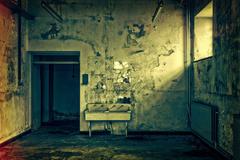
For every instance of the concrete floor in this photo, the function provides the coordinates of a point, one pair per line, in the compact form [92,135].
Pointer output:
[65,143]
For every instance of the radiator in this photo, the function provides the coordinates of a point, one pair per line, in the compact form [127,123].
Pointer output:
[204,122]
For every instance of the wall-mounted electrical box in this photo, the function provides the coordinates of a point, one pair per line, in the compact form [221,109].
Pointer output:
[84,79]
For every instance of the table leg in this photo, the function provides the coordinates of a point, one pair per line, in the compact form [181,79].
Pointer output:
[89,129]
[126,129]
[111,127]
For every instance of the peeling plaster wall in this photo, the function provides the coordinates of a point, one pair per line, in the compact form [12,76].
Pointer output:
[217,80]
[14,113]
[128,58]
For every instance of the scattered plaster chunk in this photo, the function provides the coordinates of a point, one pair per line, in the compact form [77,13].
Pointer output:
[125,64]
[118,65]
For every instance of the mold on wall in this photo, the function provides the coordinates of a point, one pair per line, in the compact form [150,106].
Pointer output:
[14,111]
[128,59]
[217,80]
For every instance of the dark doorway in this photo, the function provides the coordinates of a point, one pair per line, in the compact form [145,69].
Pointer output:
[55,90]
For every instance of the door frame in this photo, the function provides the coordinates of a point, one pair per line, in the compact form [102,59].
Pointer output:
[31,54]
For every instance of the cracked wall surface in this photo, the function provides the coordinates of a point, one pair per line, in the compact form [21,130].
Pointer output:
[217,80]
[127,57]
[14,117]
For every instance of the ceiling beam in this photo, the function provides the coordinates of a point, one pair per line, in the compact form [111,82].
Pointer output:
[14,8]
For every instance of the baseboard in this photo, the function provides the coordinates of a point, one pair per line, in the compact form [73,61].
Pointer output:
[159,133]
[96,132]
[224,153]
[101,132]
[10,140]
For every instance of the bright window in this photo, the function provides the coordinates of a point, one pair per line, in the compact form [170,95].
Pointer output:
[203,33]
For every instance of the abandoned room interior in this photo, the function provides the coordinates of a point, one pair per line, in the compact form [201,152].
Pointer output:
[119,79]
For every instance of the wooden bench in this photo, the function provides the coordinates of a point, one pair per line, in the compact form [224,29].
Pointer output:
[108,113]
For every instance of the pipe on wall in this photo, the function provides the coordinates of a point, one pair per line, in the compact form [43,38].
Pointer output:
[51,11]
[187,54]
[16,9]
[19,30]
